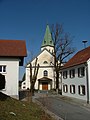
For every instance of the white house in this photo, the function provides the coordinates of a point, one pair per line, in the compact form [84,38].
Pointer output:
[12,53]
[76,76]
[46,74]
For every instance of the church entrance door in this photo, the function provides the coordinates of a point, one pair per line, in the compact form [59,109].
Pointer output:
[45,86]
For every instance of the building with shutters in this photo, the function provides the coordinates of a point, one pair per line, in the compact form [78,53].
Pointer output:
[76,76]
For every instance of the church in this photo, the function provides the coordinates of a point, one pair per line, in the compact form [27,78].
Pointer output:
[46,73]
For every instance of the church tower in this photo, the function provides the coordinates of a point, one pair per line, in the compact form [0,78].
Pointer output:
[47,41]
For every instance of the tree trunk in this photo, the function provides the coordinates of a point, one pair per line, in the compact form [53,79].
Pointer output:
[57,80]
[32,89]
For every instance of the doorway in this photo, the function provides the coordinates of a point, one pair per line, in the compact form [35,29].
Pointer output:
[45,86]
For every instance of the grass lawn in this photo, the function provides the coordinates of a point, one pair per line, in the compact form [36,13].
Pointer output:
[11,109]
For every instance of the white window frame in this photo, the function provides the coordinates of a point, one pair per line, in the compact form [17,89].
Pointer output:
[65,88]
[72,73]
[81,72]
[65,74]
[81,89]
[72,89]
[2,68]
[5,85]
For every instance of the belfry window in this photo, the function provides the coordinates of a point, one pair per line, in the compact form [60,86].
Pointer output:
[44,42]
[50,42]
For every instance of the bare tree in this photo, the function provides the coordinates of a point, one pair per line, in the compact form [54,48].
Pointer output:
[62,48]
[33,76]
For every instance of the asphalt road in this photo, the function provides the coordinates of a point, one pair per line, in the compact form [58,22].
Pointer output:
[65,110]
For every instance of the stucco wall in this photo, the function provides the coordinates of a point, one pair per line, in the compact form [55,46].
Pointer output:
[27,78]
[88,63]
[75,81]
[11,76]
[43,56]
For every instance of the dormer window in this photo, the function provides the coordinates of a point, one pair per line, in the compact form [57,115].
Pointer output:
[45,62]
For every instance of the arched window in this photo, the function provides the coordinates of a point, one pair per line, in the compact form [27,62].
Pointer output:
[45,62]
[45,73]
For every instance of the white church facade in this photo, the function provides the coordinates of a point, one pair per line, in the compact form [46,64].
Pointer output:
[46,74]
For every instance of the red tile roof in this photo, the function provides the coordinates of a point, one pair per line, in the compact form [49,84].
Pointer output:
[79,58]
[12,48]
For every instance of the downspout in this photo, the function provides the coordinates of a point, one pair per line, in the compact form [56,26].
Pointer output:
[87,81]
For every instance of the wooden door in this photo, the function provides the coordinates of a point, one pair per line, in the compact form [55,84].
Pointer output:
[44,86]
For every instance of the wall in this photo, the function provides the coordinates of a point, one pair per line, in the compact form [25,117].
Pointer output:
[88,64]
[43,56]
[75,81]
[11,76]
[28,78]
[23,85]
[50,75]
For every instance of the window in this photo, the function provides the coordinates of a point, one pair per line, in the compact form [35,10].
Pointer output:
[72,73]
[52,51]
[81,90]
[24,83]
[45,73]
[65,88]
[81,72]
[65,74]
[45,62]
[2,68]
[24,87]
[44,42]
[72,89]
[50,42]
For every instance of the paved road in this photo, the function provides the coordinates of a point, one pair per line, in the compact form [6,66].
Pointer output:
[65,110]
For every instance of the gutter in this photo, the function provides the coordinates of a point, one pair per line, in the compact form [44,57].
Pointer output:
[87,81]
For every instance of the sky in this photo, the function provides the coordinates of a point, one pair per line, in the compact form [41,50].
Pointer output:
[27,20]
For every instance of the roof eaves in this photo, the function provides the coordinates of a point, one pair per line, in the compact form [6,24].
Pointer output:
[66,67]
